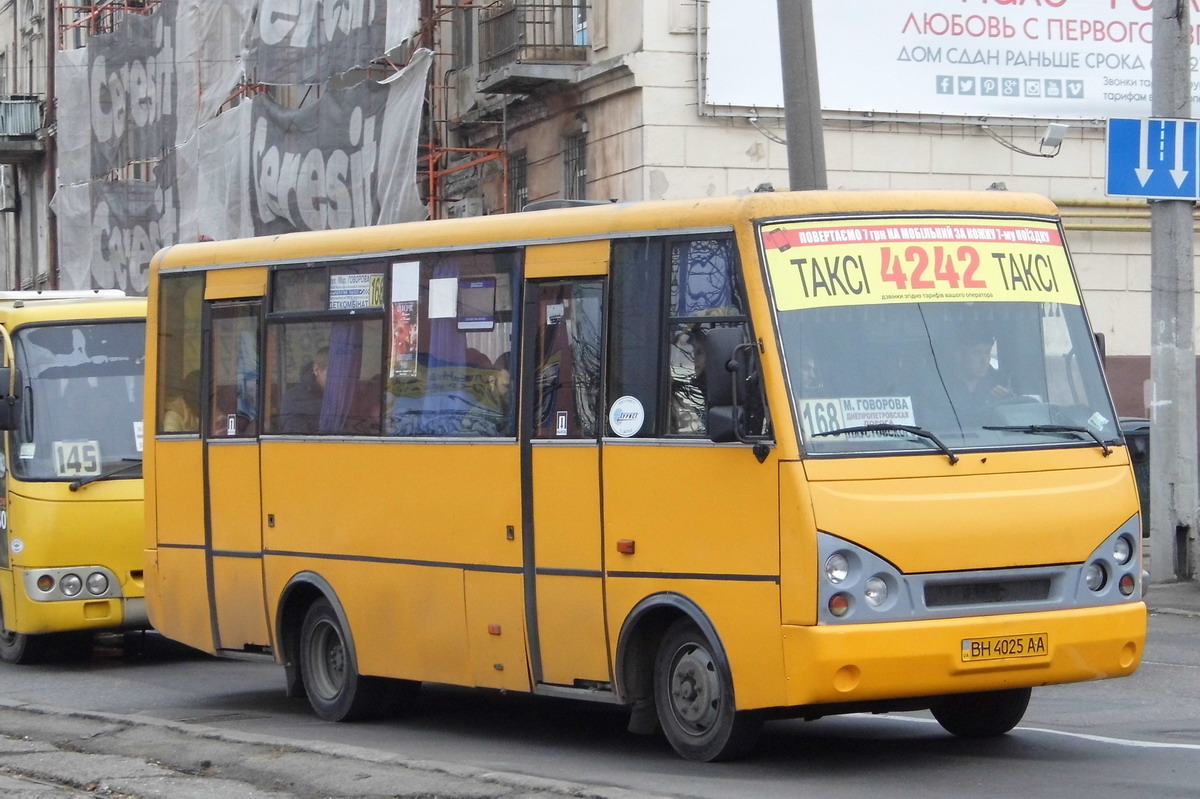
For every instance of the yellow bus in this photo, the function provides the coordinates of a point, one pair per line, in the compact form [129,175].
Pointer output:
[718,461]
[71,520]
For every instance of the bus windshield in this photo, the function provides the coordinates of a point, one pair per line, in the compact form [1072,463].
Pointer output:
[81,401]
[943,334]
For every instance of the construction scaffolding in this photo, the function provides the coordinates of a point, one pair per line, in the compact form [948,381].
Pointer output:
[437,159]
[77,23]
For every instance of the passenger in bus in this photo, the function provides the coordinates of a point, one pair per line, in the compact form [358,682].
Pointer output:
[810,381]
[300,408]
[488,384]
[179,415]
[974,383]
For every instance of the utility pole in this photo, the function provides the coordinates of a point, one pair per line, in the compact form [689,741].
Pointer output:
[50,26]
[1173,487]
[801,96]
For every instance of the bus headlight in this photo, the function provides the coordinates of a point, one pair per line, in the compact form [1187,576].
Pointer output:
[837,568]
[1122,550]
[875,591]
[97,583]
[70,584]
[1094,576]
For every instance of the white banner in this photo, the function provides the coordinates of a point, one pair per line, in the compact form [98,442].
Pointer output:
[1040,59]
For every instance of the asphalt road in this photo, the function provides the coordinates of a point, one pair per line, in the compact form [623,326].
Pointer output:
[172,723]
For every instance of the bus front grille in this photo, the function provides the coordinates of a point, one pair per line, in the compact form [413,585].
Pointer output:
[939,595]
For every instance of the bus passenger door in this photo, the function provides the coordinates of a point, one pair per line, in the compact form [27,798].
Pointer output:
[232,496]
[560,463]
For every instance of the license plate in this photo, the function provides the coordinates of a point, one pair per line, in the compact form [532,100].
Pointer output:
[999,647]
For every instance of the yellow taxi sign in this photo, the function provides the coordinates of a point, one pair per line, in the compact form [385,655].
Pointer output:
[828,263]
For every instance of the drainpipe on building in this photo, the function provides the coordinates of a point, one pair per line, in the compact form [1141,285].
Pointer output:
[801,96]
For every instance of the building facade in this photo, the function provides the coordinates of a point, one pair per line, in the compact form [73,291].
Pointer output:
[613,100]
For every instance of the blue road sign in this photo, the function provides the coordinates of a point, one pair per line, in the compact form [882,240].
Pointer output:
[1153,159]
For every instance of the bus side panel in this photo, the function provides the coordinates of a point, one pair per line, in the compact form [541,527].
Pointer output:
[180,596]
[175,563]
[179,492]
[393,526]
[406,621]
[704,521]
[496,631]
[746,619]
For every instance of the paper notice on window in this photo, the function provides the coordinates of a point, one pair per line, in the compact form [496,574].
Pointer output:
[443,298]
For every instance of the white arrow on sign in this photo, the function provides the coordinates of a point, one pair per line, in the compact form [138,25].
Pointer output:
[1143,171]
[1179,173]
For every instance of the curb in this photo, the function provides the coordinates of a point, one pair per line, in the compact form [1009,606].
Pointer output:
[511,780]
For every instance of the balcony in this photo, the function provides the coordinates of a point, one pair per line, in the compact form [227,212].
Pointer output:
[20,121]
[526,44]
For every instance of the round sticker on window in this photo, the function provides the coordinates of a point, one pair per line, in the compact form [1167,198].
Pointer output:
[625,417]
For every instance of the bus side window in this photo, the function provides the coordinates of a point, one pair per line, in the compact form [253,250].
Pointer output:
[235,364]
[178,385]
[450,346]
[636,325]
[703,293]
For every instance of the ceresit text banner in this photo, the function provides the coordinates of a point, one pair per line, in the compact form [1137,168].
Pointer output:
[827,263]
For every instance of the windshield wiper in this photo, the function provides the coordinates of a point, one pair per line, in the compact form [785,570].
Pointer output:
[1052,429]
[884,427]
[132,463]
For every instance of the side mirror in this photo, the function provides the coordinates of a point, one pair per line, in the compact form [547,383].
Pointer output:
[728,376]
[726,367]
[10,409]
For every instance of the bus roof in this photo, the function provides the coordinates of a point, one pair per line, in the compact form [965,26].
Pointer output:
[23,307]
[594,221]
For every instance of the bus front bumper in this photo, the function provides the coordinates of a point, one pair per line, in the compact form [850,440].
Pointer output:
[851,663]
[54,614]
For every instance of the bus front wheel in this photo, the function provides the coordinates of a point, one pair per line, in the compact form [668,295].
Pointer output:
[336,691]
[18,648]
[693,695]
[981,715]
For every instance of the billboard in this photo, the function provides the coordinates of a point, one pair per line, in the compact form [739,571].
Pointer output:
[1038,59]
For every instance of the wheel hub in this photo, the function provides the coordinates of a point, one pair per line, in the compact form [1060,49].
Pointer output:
[695,690]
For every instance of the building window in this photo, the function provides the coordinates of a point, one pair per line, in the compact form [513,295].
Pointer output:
[580,21]
[518,181]
[464,22]
[575,167]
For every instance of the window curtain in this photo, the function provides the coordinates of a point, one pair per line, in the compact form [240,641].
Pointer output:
[704,277]
[341,379]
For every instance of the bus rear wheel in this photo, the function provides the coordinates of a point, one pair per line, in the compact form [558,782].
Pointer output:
[336,691]
[693,694]
[986,714]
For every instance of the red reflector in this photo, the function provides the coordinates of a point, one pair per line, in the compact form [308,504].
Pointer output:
[839,604]
[1126,584]
[625,546]
[493,629]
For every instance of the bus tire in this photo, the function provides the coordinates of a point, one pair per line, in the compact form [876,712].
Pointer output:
[986,714]
[693,694]
[336,691]
[19,648]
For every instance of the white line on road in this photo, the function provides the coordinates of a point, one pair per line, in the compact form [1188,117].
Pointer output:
[1080,735]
